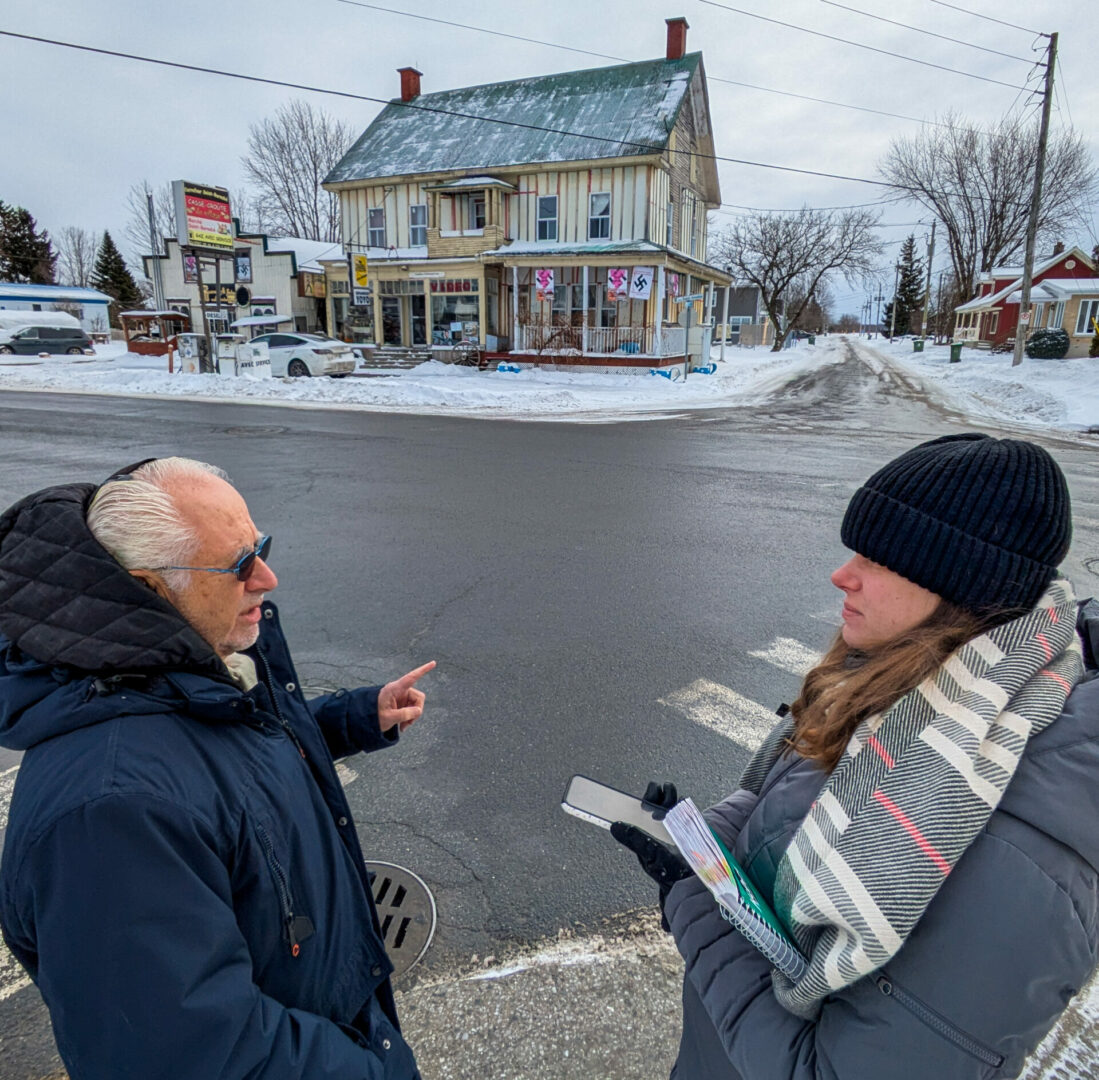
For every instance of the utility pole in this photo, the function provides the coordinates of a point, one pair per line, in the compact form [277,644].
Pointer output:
[893,318]
[1035,207]
[154,253]
[939,309]
[927,287]
[877,320]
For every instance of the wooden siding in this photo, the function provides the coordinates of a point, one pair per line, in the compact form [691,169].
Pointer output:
[395,199]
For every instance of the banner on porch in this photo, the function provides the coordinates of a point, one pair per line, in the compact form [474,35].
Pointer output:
[618,283]
[543,282]
[673,285]
[641,284]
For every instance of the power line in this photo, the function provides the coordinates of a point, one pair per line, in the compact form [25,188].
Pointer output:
[987,18]
[859,44]
[414,107]
[179,65]
[929,33]
[625,60]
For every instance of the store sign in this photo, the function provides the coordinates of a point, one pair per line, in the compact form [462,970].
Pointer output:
[359,274]
[222,295]
[456,285]
[242,266]
[312,284]
[543,282]
[641,283]
[204,218]
[618,282]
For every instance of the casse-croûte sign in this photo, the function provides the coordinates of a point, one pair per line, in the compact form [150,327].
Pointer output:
[203,216]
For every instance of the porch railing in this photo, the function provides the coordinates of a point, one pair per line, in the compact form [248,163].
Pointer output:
[602,340]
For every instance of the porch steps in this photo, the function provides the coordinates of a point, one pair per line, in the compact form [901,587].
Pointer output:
[395,357]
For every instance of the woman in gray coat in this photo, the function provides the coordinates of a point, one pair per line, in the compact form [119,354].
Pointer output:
[925,820]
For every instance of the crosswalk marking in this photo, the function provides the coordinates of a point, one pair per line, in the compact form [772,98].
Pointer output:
[725,711]
[788,654]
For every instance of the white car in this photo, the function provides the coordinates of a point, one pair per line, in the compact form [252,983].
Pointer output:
[308,354]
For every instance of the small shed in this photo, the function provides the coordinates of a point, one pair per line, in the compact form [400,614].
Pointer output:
[147,332]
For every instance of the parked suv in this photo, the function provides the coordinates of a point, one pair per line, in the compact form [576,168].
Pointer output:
[31,340]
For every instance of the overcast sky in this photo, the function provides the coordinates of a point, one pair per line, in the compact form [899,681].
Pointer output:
[77,129]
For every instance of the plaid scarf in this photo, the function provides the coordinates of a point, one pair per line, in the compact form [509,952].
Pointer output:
[915,786]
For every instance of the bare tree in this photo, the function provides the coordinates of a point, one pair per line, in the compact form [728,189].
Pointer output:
[791,256]
[289,155]
[847,324]
[977,182]
[135,235]
[76,252]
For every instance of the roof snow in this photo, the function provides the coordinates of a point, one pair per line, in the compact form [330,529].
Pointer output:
[620,111]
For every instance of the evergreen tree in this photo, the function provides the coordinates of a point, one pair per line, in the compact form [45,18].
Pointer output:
[26,255]
[112,276]
[910,284]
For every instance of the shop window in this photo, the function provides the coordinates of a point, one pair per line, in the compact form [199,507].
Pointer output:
[375,236]
[417,225]
[547,217]
[599,216]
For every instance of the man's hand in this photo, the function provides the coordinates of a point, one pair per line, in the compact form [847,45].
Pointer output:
[399,702]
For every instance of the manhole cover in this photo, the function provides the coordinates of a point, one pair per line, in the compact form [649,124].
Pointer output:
[406,910]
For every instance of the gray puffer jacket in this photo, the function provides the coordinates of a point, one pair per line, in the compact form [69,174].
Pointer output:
[1009,939]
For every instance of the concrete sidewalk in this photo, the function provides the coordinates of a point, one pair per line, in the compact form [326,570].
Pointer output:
[607,1007]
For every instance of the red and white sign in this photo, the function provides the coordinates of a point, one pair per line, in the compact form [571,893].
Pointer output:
[543,282]
[673,285]
[204,218]
[618,282]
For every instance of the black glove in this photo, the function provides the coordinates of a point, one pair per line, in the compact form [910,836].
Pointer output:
[663,865]
[659,798]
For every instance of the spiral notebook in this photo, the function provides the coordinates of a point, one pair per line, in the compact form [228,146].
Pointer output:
[740,901]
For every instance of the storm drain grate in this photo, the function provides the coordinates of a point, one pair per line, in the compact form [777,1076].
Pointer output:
[406,911]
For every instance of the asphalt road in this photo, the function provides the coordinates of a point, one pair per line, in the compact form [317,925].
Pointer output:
[565,577]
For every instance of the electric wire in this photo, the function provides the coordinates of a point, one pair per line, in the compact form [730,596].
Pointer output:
[859,44]
[929,33]
[419,107]
[987,18]
[625,60]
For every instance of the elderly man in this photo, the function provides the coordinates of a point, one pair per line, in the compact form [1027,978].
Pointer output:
[181,875]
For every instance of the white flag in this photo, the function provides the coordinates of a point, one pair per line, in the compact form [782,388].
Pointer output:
[641,283]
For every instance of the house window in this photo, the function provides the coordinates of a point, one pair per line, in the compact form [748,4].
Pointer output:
[1037,314]
[417,225]
[476,211]
[1089,309]
[547,217]
[993,323]
[375,235]
[669,232]
[599,216]
[1056,315]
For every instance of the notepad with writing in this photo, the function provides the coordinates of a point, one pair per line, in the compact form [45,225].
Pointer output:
[740,901]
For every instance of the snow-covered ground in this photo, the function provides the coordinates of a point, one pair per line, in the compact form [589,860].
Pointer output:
[1043,393]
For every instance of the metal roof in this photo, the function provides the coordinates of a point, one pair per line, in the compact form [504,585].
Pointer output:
[56,293]
[625,110]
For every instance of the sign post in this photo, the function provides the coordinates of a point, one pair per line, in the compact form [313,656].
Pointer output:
[685,318]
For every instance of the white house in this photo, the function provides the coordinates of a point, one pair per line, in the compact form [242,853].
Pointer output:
[88,305]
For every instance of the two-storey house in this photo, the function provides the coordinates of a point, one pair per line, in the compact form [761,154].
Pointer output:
[555,219]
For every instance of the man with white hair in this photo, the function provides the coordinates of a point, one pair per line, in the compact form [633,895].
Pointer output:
[181,876]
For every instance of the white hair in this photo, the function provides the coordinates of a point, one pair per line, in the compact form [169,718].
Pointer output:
[136,518]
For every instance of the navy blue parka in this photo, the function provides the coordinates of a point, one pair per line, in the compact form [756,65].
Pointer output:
[181,876]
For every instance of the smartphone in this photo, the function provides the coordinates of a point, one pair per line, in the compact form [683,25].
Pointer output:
[602,805]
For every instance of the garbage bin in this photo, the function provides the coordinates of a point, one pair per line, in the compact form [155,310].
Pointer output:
[955,352]
[812,339]
[917,345]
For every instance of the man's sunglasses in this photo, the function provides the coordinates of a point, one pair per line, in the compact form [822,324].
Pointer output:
[243,567]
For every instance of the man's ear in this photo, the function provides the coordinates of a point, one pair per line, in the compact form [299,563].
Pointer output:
[152,581]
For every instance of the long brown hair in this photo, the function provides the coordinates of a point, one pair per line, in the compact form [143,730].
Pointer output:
[849,685]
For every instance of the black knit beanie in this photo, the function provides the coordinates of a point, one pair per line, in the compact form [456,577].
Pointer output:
[982,522]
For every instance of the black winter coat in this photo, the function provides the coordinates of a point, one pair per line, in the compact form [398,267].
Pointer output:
[181,876]
[1011,936]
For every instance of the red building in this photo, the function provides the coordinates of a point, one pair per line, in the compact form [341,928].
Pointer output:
[990,318]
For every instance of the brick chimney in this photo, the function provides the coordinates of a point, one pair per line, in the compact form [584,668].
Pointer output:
[677,38]
[1058,247]
[410,83]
